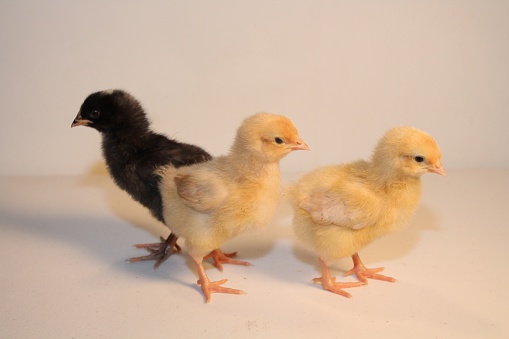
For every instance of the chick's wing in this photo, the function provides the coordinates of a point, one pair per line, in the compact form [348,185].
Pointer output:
[202,191]
[352,204]
[326,209]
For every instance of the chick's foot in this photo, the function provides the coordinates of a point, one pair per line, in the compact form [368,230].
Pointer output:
[208,287]
[329,283]
[224,258]
[363,273]
[159,251]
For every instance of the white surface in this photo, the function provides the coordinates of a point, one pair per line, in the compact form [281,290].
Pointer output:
[344,71]
[63,242]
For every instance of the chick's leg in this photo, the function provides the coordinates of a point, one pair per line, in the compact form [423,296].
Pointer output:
[159,251]
[363,273]
[208,287]
[224,258]
[329,283]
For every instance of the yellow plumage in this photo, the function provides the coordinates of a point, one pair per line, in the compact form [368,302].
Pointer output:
[339,209]
[210,203]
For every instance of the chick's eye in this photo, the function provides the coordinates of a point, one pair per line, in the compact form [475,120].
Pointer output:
[419,158]
[278,140]
[95,114]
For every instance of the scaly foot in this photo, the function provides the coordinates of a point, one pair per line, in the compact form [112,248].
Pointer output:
[208,287]
[160,251]
[363,273]
[329,283]
[224,258]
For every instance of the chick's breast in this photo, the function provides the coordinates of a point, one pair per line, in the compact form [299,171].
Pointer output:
[250,205]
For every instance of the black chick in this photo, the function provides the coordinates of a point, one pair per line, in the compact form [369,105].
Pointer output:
[134,153]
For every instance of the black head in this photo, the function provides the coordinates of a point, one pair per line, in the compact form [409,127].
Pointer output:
[109,111]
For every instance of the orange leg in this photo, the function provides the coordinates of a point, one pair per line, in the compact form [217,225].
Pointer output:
[208,287]
[159,251]
[329,283]
[363,273]
[224,258]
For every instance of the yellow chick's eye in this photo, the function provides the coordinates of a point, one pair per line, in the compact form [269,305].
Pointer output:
[419,158]
[278,140]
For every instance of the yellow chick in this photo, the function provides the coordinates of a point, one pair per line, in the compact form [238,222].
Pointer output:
[339,209]
[210,203]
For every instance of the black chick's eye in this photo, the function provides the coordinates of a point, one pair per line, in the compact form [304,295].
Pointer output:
[278,140]
[419,158]
[95,114]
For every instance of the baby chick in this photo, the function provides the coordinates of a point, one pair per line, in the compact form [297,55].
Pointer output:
[339,209]
[209,203]
[133,153]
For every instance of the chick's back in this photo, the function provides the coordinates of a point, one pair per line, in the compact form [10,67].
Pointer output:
[133,165]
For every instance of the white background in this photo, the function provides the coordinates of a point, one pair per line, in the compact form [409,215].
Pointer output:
[64,273]
[343,71]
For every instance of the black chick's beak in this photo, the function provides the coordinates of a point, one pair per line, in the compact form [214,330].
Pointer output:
[79,121]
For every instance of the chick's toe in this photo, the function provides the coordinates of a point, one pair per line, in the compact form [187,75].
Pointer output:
[208,287]
[224,258]
[329,283]
[363,273]
[159,251]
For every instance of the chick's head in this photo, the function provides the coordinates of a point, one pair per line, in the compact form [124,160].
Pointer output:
[408,151]
[268,137]
[112,110]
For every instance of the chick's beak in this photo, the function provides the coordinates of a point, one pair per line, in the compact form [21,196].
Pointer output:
[79,121]
[436,168]
[299,144]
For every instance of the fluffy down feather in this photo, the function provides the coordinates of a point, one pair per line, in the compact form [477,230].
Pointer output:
[134,153]
[339,209]
[210,203]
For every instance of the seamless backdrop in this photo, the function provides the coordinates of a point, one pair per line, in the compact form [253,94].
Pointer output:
[343,71]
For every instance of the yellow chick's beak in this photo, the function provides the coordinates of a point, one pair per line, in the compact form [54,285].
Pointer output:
[436,168]
[79,121]
[299,144]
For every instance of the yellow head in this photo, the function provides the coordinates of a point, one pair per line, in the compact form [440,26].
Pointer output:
[408,151]
[268,137]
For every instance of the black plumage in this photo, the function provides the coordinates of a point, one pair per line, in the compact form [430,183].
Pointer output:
[133,154]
